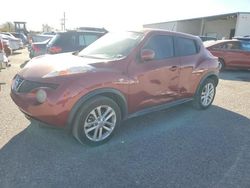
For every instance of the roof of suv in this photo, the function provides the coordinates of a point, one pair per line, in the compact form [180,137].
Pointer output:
[86,30]
[149,30]
[80,31]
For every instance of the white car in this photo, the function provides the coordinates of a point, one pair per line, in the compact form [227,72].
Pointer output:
[3,58]
[15,43]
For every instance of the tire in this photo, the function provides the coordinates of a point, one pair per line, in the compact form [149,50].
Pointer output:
[205,94]
[222,64]
[96,121]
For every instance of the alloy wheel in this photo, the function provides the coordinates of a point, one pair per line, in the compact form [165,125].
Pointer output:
[207,94]
[100,123]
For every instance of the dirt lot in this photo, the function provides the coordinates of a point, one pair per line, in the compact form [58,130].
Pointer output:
[178,147]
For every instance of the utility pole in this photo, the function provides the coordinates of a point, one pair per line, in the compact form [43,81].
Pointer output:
[63,22]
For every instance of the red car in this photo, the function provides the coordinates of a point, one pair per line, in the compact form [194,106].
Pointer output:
[117,77]
[231,53]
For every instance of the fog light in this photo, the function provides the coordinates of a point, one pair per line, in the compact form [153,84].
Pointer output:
[41,96]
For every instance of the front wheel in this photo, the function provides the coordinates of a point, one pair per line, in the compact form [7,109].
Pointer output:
[205,95]
[96,121]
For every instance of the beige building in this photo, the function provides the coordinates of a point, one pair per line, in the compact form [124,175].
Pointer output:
[219,26]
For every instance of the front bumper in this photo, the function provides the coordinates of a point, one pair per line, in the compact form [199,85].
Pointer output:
[46,112]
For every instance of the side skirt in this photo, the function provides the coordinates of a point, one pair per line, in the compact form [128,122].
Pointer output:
[159,107]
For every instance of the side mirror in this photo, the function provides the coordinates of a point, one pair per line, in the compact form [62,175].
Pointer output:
[147,54]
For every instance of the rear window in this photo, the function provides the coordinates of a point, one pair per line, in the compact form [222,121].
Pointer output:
[245,46]
[185,46]
[232,45]
[64,39]
[86,39]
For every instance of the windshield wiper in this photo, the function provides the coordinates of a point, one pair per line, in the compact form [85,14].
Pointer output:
[87,56]
[118,56]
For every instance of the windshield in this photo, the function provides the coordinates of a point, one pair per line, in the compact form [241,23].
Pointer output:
[112,45]
[53,39]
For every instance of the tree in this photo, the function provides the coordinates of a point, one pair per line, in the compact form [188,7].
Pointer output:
[47,28]
[7,27]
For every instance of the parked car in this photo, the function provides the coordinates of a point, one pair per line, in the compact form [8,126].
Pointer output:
[49,33]
[7,33]
[207,38]
[231,53]
[38,38]
[1,53]
[38,48]
[7,49]
[14,43]
[72,41]
[119,76]
[21,36]
[244,38]
[3,58]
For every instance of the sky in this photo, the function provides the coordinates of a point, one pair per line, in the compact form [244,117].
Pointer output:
[113,14]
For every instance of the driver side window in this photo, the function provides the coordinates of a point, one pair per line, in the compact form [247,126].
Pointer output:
[162,45]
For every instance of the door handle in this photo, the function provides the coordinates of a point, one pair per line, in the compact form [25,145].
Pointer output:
[173,68]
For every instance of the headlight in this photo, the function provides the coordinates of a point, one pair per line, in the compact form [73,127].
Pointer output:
[41,96]
[71,70]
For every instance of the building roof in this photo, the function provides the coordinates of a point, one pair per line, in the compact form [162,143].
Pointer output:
[205,17]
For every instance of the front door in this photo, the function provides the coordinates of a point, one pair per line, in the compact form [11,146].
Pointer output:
[155,82]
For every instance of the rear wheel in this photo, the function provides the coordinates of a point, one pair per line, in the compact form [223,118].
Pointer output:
[97,121]
[205,95]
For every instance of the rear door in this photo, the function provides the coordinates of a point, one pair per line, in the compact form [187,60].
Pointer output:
[188,51]
[245,55]
[233,53]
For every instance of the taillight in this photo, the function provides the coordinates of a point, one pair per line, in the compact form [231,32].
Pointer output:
[54,50]
[35,48]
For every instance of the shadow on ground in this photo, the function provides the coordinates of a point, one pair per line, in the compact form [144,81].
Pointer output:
[23,64]
[16,53]
[178,146]
[236,75]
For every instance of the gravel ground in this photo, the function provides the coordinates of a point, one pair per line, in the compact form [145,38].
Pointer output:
[178,147]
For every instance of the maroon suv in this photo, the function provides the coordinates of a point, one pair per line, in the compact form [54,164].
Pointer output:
[119,76]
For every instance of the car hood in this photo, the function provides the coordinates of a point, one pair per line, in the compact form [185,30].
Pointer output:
[41,66]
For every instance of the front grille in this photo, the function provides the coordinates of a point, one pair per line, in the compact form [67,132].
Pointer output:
[18,81]
[26,86]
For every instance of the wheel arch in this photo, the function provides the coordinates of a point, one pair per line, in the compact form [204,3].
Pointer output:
[213,77]
[111,93]
[210,75]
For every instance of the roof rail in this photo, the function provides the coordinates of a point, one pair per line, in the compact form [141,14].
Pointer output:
[92,29]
